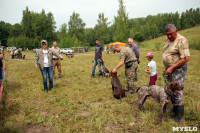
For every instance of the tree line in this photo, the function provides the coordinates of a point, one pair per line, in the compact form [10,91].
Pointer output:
[37,26]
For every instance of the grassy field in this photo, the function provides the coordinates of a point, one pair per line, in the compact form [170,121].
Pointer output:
[81,104]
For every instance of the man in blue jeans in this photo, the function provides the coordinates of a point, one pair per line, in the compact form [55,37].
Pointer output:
[44,57]
[98,55]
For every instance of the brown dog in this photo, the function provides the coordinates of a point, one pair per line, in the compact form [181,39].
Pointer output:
[118,92]
[159,94]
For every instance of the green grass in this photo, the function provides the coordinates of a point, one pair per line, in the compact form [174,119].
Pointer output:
[81,104]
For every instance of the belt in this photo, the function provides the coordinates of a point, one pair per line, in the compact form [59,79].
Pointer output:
[55,58]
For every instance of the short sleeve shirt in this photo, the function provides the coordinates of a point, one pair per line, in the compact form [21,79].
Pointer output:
[57,49]
[174,51]
[152,65]
[126,55]
[98,51]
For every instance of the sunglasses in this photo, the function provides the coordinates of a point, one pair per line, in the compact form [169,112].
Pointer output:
[44,44]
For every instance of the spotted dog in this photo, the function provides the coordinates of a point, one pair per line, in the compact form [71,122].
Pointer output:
[160,94]
[104,70]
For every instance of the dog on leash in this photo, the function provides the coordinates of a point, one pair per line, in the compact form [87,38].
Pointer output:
[23,57]
[104,70]
[118,92]
[159,94]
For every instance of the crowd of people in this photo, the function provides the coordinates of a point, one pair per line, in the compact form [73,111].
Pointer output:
[175,57]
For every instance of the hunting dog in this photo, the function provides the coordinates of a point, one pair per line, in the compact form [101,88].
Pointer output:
[159,94]
[23,57]
[104,70]
[118,92]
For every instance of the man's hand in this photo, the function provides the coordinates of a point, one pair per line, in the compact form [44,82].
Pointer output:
[169,70]
[93,60]
[114,70]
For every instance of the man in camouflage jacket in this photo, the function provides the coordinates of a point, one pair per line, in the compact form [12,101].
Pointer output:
[128,58]
[175,57]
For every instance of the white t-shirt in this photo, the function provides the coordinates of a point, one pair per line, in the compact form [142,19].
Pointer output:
[152,64]
[46,63]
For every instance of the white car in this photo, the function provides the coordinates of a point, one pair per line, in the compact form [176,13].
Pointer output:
[9,49]
[66,50]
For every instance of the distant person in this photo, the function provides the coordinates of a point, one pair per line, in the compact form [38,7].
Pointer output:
[135,50]
[2,56]
[56,60]
[27,50]
[98,55]
[13,53]
[45,58]
[175,57]
[16,53]
[19,53]
[128,58]
[151,69]
[105,48]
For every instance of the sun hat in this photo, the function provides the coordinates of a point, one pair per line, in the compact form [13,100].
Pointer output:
[149,54]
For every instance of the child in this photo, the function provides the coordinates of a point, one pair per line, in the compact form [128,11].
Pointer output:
[151,69]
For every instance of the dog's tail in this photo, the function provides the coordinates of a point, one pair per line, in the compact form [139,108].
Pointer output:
[137,89]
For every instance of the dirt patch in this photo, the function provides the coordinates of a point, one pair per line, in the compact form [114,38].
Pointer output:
[44,113]
[95,104]
[37,129]
[112,128]
[83,113]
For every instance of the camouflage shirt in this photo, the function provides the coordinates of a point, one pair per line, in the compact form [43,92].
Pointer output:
[126,55]
[57,49]
[174,51]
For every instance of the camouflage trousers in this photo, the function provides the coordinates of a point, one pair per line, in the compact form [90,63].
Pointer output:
[178,75]
[130,76]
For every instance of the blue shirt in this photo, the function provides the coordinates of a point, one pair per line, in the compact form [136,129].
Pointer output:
[135,50]
[152,65]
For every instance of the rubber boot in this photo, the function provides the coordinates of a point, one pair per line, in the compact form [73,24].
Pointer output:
[179,113]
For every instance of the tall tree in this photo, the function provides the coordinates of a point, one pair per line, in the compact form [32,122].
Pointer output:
[16,30]
[4,32]
[27,23]
[121,30]
[76,27]
[101,29]
[89,36]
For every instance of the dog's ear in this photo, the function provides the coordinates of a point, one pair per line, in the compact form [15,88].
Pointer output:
[169,87]
[178,86]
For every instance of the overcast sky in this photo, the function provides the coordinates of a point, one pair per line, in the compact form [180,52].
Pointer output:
[11,10]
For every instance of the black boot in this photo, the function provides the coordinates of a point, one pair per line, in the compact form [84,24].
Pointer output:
[179,113]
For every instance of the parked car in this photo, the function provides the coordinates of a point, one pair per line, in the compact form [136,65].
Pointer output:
[9,49]
[66,50]
[34,50]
